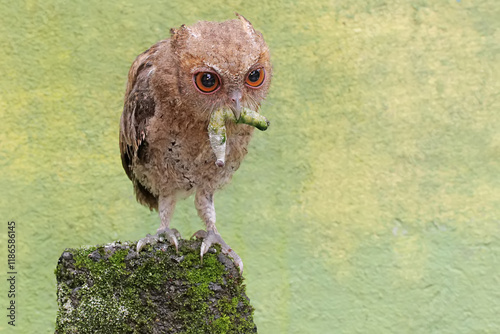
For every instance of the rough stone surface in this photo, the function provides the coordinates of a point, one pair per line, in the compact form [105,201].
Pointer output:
[114,289]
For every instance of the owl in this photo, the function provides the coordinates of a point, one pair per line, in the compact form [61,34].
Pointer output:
[175,90]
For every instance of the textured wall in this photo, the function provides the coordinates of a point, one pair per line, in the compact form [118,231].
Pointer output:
[371,205]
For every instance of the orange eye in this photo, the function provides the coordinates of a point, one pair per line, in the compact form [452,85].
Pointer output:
[206,82]
[255,78]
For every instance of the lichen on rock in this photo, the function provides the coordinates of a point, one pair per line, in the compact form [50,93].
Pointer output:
[114,289]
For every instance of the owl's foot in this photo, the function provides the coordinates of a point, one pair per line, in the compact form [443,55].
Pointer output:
[161,234]
[212,237]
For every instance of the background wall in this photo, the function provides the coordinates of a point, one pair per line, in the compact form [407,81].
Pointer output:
[371,205]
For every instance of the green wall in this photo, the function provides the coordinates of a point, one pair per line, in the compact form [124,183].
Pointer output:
[371,205]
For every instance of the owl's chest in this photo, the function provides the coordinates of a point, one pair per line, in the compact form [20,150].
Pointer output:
[191,145]
[184,147]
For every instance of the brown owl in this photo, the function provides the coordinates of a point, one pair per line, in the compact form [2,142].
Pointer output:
[174,90]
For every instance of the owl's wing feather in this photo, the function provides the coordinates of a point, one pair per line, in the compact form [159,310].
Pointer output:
[138,108]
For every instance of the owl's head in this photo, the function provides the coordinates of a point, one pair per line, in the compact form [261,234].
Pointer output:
[222,65]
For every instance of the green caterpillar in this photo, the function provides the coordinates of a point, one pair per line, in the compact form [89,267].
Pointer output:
[217,129]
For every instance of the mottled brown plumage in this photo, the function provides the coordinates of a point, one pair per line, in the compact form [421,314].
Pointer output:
[164,143]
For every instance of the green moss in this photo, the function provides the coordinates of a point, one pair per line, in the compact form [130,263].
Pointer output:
[114,289]
[221,325]
[117,260]
[81,257]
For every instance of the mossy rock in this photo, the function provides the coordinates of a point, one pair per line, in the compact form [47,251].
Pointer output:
[114,289]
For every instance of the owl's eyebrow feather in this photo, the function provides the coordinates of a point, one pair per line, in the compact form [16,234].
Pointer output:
[217,68]
[221,71]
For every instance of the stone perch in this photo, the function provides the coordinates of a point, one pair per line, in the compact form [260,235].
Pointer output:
[114,289]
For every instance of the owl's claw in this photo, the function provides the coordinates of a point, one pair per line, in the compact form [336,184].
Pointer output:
[170,234]
[212,237]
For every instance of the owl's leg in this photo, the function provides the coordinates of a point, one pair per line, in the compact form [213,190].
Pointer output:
[204,202]
[166,207]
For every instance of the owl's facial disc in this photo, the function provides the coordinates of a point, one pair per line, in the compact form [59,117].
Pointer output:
[226,88]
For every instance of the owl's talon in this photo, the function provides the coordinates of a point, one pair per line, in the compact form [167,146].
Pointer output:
[170,234]
[200,234]
[211,237]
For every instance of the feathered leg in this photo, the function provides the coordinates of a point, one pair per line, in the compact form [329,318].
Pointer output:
[166,206]
[204,202]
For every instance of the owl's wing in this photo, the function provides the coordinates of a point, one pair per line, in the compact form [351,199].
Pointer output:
[138,108]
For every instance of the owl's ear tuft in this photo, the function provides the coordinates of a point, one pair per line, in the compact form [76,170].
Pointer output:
[246,24]
[179,36]
[183,32]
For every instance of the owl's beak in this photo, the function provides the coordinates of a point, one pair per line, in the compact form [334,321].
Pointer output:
[236,103]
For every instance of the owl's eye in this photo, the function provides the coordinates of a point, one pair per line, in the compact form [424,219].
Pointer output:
[206,82]
[255,78]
